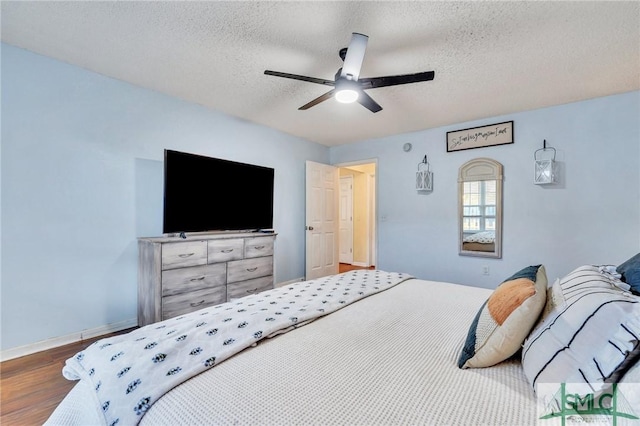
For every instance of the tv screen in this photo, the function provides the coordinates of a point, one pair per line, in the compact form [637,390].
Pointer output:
[210,194]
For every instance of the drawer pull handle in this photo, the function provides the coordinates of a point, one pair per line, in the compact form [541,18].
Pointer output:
[258,247]
[227,251]
[184,255]
[252,291]
[198,279]
[252,269]
[193,305]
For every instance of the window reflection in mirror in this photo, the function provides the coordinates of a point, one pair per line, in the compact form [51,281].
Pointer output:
[480,208]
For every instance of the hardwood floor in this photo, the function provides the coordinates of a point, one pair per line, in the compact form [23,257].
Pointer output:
[344,267]
[32,386]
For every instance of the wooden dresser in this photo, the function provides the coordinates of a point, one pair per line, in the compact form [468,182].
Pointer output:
[177,276]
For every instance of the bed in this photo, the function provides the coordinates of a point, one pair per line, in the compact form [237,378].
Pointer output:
[392,356]
[480,241]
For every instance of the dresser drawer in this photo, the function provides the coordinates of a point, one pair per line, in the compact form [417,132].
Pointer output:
[245,288]
[188,302]
[258,247]
[180,255]
[225,250]
[183,280]
[242,270]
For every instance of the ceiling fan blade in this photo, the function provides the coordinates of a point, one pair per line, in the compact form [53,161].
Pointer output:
[393,80]
[355,56]
[367,101]
[300,77]
[317,100]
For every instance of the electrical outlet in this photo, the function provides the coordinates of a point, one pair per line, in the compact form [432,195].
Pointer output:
[485,270]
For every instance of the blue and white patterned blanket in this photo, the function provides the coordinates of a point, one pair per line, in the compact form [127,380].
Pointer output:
[130,372]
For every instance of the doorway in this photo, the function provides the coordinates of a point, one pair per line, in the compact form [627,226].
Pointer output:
[357,242]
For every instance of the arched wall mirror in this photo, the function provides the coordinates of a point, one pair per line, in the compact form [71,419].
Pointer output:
[480,208]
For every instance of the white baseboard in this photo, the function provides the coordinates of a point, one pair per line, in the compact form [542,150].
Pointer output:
[65,340]
[295,280]
[55,342]
[362,264]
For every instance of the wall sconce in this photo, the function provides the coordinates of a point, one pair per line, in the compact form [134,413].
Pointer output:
[545,170]
[424,177]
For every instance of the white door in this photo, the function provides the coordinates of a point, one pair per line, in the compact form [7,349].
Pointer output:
[346,220]
[321,220]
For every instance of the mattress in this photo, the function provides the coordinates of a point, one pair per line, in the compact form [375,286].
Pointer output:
[473,246]
[390,358]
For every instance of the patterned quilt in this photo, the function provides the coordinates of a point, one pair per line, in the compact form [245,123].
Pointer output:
[132,371]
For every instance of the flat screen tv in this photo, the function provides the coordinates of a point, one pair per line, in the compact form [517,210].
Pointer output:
[210,194]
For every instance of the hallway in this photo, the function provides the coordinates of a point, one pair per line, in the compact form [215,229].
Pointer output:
[344,267]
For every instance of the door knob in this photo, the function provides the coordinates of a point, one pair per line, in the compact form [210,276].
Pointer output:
[309,228]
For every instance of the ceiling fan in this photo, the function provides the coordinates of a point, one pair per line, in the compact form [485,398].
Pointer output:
[348,87]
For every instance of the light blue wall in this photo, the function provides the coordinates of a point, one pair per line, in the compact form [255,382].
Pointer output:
[82,179]
[591,216]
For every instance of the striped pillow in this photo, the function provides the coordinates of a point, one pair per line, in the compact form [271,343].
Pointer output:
[589,332]
[505,319]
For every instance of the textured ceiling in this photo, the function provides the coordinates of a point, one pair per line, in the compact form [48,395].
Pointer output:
[489,58]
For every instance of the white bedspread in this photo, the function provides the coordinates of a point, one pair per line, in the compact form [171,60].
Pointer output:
[131,372]
[387,359]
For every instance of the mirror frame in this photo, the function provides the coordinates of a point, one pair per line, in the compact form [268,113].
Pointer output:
[475,170]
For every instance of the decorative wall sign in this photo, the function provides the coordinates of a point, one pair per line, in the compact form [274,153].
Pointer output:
[480,137]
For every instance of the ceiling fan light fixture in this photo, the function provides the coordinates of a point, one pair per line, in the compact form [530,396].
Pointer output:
[347,96]
[347,91]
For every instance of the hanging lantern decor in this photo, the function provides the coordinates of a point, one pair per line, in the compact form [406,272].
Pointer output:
[545,169]
[424,176]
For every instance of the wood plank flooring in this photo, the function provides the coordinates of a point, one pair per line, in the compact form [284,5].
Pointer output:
[344,267]
[32,386]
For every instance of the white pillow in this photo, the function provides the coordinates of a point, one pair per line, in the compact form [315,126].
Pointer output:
[589,332]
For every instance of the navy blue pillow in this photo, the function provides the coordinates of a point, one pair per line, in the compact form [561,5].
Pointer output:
[630,271]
